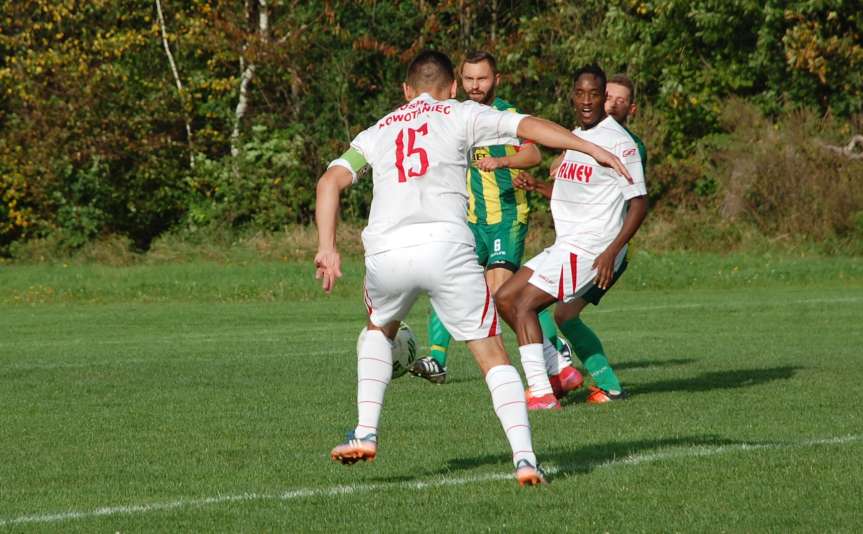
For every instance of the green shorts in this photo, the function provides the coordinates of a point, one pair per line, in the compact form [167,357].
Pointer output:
[500,245]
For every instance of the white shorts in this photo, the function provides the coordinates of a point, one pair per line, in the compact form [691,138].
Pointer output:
[448,272]
[566,273]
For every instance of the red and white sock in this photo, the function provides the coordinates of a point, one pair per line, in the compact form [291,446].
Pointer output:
[374,370]
[507,396]
[533,363]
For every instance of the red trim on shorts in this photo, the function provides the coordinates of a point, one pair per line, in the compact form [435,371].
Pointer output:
[560,285]
[573,265]
[487,302]
[367,300]
[493,330]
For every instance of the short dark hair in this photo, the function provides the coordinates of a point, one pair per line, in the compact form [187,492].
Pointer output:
[623,79]
[478,56]
[592,69]
[430,69]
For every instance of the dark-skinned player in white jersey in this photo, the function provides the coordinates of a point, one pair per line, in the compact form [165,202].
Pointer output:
[595,214]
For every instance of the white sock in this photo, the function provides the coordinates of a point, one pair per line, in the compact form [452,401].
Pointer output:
[374,370]
[554,362]
[533,363]
[507,396]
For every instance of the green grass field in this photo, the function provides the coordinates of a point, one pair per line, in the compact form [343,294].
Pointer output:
[206,397]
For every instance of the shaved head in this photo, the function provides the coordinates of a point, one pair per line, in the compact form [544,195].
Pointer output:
[430,70]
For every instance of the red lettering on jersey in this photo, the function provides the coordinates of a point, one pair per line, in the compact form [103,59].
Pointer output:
[416,109]
[583,173]
[575,172]
[629,152]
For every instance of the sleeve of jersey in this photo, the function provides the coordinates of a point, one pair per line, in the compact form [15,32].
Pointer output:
[631,158]
[492,127]
[352,160]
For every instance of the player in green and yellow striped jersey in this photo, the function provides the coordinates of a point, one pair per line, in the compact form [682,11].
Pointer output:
[497,213]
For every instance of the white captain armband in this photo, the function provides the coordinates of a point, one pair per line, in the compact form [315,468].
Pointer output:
[353,161]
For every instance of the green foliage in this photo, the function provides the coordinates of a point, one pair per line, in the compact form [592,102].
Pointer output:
[79,215]
[263,186]
[778,174]
[87,88]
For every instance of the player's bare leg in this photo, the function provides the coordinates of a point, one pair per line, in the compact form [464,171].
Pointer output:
[505,386]
[374,370]
[566,311]
[495,277]
[518,303]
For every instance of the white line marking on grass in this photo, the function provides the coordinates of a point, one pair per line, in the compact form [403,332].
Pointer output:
[703,450]
[418,485]
[727,304]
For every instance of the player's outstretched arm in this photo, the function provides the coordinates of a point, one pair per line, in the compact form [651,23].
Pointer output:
[327,260]
[556,136]
[604,263]
[528,156]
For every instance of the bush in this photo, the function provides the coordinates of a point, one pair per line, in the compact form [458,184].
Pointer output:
[778,175]
[265,186]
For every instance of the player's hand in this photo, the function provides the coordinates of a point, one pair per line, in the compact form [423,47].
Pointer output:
[524,180]
[488,164]
[607,159]
[328,267]
[604,265]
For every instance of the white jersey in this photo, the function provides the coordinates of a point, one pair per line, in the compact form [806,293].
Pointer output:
[419,158]
[588,202]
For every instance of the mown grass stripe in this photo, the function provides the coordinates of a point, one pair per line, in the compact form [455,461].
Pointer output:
[419,485]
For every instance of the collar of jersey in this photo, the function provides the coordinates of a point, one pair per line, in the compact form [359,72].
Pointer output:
[597,125]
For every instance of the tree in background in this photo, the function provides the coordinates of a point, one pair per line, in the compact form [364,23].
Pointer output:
[114,120]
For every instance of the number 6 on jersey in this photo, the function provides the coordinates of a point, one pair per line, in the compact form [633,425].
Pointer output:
[401,154]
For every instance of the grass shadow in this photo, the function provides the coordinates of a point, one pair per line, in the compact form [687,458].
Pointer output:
[713,380]
[645,364]
[582,460]
[709,381]
[585,459]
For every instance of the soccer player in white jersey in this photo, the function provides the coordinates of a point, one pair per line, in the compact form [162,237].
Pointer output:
[417,240]
[595,213]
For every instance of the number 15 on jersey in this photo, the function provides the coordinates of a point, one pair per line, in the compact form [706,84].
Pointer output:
[402,152]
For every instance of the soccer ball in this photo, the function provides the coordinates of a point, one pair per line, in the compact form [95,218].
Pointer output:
[404,349]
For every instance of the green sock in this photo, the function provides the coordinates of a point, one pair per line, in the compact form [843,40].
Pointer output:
[549,328]
[439,339]
[588,348]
